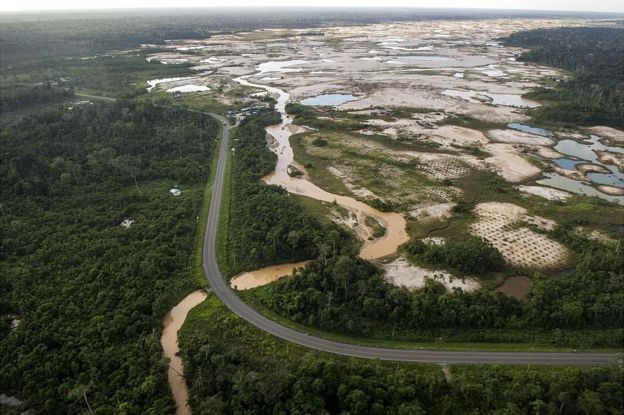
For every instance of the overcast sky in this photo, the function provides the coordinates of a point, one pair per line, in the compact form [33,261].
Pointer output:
[567,5]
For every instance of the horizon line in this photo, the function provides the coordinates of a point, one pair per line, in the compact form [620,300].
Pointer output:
[188,8]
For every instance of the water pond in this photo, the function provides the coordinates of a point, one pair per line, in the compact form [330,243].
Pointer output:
[280,66]
[567,164]
[564,183]
[508,100]
[528,129]
[587,152]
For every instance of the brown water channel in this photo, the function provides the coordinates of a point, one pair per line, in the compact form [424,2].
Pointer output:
[169,341]
[394,223]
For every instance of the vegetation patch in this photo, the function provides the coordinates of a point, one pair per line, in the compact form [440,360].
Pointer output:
[88,290]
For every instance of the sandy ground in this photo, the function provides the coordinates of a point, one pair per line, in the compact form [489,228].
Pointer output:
[403,274]
[612,158]
[440,211]
[545,192]
[507,162]
[589,167]
[610,133]
[610,190]
[548,153]
[501,224]
[448,135]
[519,137]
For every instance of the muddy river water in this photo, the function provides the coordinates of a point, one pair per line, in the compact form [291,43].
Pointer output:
[393,222]
[169,341]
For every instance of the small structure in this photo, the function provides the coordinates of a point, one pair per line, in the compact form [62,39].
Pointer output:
[175,191]
[126,223]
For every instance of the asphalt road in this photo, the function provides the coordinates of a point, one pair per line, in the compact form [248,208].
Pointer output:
[236,305]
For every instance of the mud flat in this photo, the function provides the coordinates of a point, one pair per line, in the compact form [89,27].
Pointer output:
[169,342]
[403,274]
[263,276]
[517,287]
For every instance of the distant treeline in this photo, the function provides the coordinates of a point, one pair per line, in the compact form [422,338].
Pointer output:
[595,56]
[19,97]
[27,35]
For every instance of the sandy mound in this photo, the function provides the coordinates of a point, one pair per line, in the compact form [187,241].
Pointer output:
[403,274]
[449,135]
[519,137]
[549,153]
[500,223]
[610,190]
[509,164]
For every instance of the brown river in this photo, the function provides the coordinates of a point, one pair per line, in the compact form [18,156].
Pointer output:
[169,341]
[378,248]
[394,223]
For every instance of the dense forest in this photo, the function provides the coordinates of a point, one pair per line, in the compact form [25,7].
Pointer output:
[18,96]
[265,226]
[233,368]
[90,294]
[595,57]
[345,294]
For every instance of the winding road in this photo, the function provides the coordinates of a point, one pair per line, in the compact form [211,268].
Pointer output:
[236,305]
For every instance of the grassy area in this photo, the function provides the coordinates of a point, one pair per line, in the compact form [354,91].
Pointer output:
[204,102]
[321,211]
[372,166]
[317,167]
[402,339]
[94,97]
[378,229]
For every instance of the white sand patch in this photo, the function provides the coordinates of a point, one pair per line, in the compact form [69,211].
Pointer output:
[435,240]
[440,211]
[519,246]
[509,164]
[403,274]
[519,137]
[545,192]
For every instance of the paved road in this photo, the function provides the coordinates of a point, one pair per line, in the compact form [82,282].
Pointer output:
[235,304]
